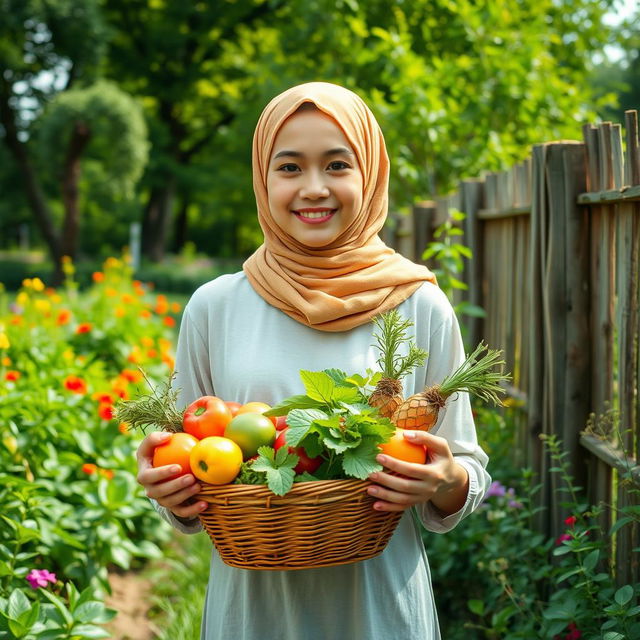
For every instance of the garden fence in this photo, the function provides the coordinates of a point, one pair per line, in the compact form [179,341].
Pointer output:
[556,243]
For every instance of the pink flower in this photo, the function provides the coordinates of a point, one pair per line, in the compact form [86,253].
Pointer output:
[562,538]
[40,578]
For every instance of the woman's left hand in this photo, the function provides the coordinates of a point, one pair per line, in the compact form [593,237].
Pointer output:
[441,480]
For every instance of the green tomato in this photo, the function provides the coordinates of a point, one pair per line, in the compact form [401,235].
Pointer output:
[251,431]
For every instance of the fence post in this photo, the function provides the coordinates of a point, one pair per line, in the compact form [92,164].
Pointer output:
[424,214]
[472,200]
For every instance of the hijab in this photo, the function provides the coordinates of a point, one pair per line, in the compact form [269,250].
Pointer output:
[344,284]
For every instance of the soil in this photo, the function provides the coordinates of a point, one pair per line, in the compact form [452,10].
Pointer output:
[130,597]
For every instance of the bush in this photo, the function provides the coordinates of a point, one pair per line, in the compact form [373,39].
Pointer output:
[69,502]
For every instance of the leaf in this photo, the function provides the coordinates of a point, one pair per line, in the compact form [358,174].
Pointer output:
[17,605]
[591,560]
[361,461]
[476,606]
[293,402]
[90,631]
[299,422]
[280,480]
[319,385]
[339,377]
[59,605]
[624,594]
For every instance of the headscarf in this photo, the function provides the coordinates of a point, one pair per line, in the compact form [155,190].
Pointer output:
[346,283]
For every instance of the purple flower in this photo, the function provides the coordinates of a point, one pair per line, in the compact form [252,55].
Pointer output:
[40,578]
[495,490]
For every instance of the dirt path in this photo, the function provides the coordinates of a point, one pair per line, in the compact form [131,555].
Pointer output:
[130,598]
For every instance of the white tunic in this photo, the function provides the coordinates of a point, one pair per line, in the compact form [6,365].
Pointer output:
[234,345]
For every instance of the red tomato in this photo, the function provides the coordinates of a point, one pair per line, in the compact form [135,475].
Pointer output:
[256,407]
[207,416]
[233,406]
[281,423]
[305,463]
[175,450]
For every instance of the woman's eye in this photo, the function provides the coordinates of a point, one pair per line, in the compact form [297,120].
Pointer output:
[288,168]
[338,165]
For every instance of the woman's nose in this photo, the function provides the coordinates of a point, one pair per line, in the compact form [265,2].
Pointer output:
[314,186]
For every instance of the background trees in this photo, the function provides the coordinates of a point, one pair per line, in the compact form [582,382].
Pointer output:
[457,86]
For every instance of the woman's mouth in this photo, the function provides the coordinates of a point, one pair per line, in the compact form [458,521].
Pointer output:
[314,215]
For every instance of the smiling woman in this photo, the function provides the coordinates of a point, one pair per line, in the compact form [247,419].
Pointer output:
[315,191]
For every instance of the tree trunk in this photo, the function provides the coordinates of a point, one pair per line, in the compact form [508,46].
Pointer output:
[70,179]
[32,187]
[181,227]
[157,220]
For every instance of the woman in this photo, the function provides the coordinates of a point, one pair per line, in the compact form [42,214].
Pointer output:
[305,300]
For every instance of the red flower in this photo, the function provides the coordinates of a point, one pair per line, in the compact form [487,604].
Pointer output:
[75,385]
[570,521]
[84,327]
[168,321]
[12,376]
[562,538]
[89,468]
[105,411]
[63,317]
[98,276]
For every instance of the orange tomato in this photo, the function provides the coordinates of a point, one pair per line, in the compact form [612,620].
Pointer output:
[400,448]
[175,450]
[233,407]
[256,407]
[215,460]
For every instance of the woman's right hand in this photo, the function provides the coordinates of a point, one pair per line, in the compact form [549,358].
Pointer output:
[160,483]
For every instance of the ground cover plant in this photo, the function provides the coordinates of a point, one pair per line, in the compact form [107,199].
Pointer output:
[69,503]
[508,581]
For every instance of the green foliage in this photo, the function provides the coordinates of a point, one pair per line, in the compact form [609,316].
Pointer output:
[69,500]
[115,123]
[517,583]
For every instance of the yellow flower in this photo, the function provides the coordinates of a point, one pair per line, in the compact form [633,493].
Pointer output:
[26,283]
[68,354]
[67,266]
[22,298]
[43,306]
[4,341]
[146,341]
[120,312]
[56,298]
[111,263]
[37,284]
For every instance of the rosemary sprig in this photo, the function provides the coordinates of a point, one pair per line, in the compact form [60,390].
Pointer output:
[393,333]
[157,409]
[475,376]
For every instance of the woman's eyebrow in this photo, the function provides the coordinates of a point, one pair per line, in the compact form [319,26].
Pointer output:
[299,154]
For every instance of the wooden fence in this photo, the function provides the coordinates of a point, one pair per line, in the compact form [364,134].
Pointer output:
[556,243]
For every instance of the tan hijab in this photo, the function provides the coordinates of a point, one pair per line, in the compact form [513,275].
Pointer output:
[348,282]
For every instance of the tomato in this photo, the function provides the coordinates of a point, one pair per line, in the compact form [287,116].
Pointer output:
[250,431]
[281,423]
[175,450]
[215,460]
[256,407]
[207,416]
[233,406]
[305,463]
[400,448]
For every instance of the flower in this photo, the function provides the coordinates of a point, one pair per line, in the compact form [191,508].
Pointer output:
[97,276]
[105,411]
[106,473]
[570,521]
[4,341]
[89,468]
[84,327]
[40,578]
[63,317]
[564,537]
[75,385]
[168,321]
[12,375]
[123,427]
[495,490]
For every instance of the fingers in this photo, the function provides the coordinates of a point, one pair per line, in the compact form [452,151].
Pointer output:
[149,443]
[434,444]
[176,494]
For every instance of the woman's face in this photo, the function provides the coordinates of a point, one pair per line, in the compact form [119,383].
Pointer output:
[314,182]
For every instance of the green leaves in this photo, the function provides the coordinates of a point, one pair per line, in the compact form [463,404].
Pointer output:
[278,467]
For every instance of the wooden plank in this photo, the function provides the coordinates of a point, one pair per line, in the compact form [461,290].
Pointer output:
[605,159]
[632,160]
[424,214]
[617,158]
[611,455]
[507,212]
[626,194]
[590,135]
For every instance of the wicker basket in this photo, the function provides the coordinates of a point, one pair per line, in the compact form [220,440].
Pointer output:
[317,524]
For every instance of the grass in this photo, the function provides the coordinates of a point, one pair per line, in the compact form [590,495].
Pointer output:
[179,586]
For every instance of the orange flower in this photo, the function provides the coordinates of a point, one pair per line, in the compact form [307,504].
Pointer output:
[123,427]
[105,411]
[16,320]
[89,468]
[168,360]
[12,376]
[132,375]
[98,276]
[127,298]
[84,327]
[145,313]
[162,304]
[152,353]
[103,397]
[175,307]
[120,312]
[168,321]
[6,361]
[111,292]
[63,317]
[146,341]
[75,385]
[106,473]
